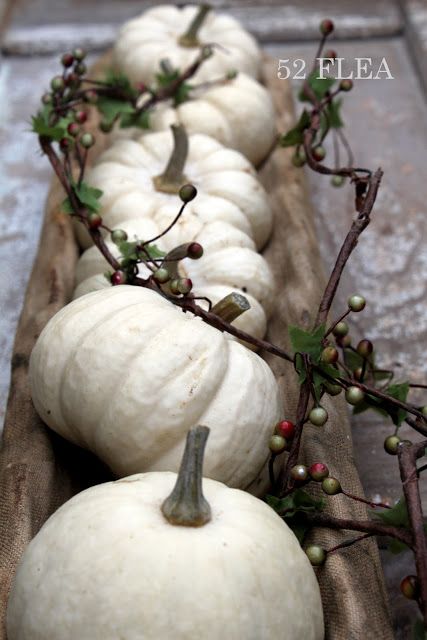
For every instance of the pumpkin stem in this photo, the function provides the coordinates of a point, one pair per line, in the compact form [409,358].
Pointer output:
[231,307]
[186,506]
[189,38]
[172,178]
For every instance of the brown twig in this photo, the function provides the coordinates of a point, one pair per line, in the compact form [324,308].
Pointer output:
[368,526]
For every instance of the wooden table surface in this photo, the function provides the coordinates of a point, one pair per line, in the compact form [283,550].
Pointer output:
[387,127]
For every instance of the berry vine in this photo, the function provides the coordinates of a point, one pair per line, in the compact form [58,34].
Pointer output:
[324,358]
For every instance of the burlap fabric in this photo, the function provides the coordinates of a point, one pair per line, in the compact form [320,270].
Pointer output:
[39,471]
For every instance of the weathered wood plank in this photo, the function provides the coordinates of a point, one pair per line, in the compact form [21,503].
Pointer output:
[41,26]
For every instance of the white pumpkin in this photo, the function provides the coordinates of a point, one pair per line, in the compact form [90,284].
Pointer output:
[229,263]
[228,189]
[125,373]
[238,113]
[122,560]
[157,34]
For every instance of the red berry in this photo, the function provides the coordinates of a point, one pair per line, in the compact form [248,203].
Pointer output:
[94,220]
[118,277]
[318,153]
[344,342]
[67,59]
[358,374]
[326,27]
[195,251]
[64,144]
[80,117]
[73,129]
[91,96]
[184,285]
[330,53]
[141,87]
[72,80]
[318,471]
[285,428]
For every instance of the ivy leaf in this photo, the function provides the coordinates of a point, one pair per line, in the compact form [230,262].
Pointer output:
[296,135]
[319,86]
[113,108]
[40,127]
[66,206]
[135,119]
[297,501]
[88,196]
[154,251]
[118,79]
[307,342]
[397,516]
[399,392]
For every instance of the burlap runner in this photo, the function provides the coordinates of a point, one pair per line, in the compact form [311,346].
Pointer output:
[39,471]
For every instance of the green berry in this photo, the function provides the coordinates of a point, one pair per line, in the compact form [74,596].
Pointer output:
[299,472]
[299,158]
[329,355]
[346,85]
[331,486]
[318,471]
[118,236]
[187,192]
[318,416]
[341,329]
[87,140]
[354,395]
[356,303]
[79,54]
[391,444]
[358,374]
[332,389]
[105,126]
[162,275]
[173,286]
[337,181]
[410,587]
[344,342]
[184,286]
[232,74]
[80,69]
[47,98]
[57,83]
[316,555]
[277,444]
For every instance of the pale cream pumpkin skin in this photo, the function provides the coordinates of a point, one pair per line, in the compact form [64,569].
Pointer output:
[146,40]
[238,113]
[108,565]
[228,189]
[125,374]
[229,263]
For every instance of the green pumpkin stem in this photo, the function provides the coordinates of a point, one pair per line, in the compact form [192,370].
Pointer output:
[172,178]
[186,506]
[231,307]
[190,38]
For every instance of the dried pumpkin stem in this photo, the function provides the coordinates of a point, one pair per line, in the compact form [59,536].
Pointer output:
[190,37]
[186,506]
[172,178]
[231,307]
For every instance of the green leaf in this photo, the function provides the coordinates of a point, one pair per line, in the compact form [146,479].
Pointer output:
[113,108]
[297,501]
[66,206]
[307,342]
[40,127]
[397,516]
[166,76]
[88,196]
[154,251]
[399,392]
[135,119]
[296,135]
[128,252]
[182,94]
[319,86]
[120,80]
[396,546]
[419,631]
